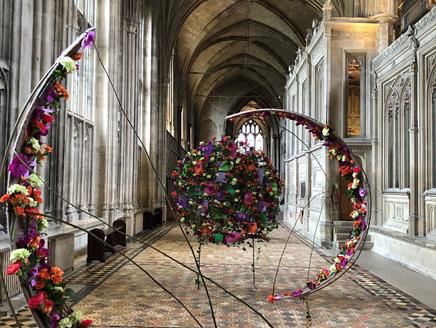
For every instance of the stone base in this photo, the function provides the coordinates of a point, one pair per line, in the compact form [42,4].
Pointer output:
[418,254]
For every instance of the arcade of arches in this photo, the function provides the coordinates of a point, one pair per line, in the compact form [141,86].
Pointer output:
[366,68]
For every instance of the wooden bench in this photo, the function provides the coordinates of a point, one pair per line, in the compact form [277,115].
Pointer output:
[101,241]
[147,220]
[157,217]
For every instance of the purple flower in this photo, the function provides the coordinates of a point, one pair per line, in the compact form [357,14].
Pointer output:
[183,201]
[220,195]
[221,177]
[233,237]
[20,165]
[362,192]
[208,150]
[54,319]
[50,96]
[241,216]
[33,272]
[204,206]
[297,293]
[262,206]
[260,174]
[88,40]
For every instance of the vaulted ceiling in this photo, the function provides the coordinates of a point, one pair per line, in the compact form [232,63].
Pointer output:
[245,44]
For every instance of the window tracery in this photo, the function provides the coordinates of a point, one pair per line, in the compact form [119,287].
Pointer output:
[397,125]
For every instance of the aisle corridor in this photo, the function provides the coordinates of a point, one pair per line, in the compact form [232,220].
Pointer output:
[127,298]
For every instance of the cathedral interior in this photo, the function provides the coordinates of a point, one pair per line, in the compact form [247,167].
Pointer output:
[217,163]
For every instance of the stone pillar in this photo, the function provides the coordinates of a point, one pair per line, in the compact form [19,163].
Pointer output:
[376,183]
[414,134]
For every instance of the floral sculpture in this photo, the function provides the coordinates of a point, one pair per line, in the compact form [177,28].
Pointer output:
[226,192]
[30,260]
[356,189]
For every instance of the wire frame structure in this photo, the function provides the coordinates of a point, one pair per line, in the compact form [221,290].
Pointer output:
[360,197]
[15,143]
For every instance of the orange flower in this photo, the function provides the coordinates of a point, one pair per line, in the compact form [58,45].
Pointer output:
[40,284]
[48,149]
[5,198]
[60,90]
[34,243]
[77,56]
[43,274]
[57,275]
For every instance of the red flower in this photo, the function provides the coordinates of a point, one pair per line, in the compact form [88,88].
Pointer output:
[5,198]
[19,211]
[40,126]
[86,323]
[35,300]
[48,305]
[13,268]
[48,118]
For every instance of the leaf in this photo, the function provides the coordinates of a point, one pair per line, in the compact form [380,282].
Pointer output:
[69,293]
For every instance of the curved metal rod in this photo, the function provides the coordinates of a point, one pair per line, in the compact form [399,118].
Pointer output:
[159,180]
[294,116]
[287,241]
[52,218]
[17,132]
[17,135]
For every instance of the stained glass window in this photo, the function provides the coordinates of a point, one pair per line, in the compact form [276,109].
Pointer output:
[251,133]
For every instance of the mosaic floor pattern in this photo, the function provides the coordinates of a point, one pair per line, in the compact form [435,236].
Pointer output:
[359,299]
[118,294]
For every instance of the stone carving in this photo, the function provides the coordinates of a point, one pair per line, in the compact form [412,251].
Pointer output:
[428,19]
[327,10]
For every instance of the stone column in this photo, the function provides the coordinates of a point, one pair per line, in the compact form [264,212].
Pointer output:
[414,134]
[375,174]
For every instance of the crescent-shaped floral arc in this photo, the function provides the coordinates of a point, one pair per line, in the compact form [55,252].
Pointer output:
[357,191]
[43,284]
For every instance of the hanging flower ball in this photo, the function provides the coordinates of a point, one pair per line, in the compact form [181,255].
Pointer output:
[226,192]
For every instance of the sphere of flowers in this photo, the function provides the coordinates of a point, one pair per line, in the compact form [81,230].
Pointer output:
[226,192]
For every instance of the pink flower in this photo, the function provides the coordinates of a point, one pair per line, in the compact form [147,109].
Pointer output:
[13,268]
[35,301]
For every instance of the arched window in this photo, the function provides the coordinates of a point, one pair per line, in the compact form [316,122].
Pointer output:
[251,133]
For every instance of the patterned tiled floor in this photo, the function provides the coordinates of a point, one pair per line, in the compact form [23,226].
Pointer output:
[118,294]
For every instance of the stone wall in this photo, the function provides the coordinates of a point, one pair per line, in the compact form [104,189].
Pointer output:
[404,127]
[98,165]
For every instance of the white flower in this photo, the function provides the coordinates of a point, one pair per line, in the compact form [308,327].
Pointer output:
[68,63]
[43,223]
[77,316]
[325,131]
[354,214]
[32,202]
[35,144]
[16,188]
[65,323]
[20,254]
[34,180]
